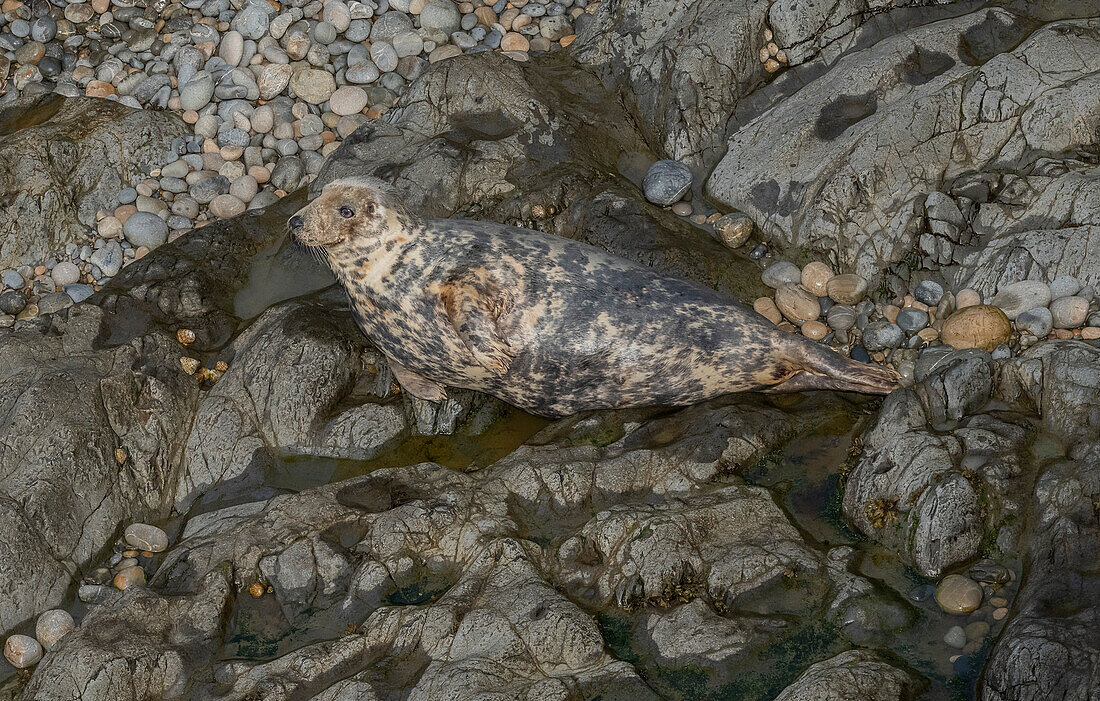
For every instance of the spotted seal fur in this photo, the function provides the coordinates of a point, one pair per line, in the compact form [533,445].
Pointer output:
[548,324]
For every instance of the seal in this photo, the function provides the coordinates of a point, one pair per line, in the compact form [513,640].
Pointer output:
[545,323]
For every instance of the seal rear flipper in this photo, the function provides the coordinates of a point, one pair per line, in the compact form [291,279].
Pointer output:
[475,304]
[417,385]
[819,367]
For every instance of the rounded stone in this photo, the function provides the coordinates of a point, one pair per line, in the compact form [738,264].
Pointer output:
[958,595]
[1038,322]
[146,537]
[911,319]
[12,302]
[52,626]
[848,288]
[967,298]
[955,637]
[65,273]
[733,229]
[145,229]
[312,85]
[441,15]
[681,209]
[130,576]
[226,206]
[841,317]
[348,100]
[881,335]
[797,303]
[929,292]
[1064,286]
[816,276]
[977,630]
[982,326]
[765,306]
[1017,298]
[1069,312]
[666,182]
[22,651]
[815,330]
[781,273]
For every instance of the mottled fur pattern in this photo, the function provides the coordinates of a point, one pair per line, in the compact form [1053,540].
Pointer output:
[548,324]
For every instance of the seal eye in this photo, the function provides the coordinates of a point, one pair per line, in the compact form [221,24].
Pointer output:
[347,212]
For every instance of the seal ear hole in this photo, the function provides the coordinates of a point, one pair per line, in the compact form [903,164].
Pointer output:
[347,212]
[370,209]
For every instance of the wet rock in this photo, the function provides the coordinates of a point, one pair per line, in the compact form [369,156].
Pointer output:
[781,273]
[861,674]
[145,537]
[59,173]
[666,182]
[847,288]
[1069,312]
[797,304]
[1038,322]
[733,229]
[882,335]
[957,594]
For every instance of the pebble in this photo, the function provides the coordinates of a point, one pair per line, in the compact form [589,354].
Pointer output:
[983,326]
[1090,333]
[1069,312]
[999,613]
[226,206]
[955,637]
[13,279]
[1018,297]
[977,630]
[1064,286]
[128,577]
[733,229]
[797,303]
[312,85]
[348,100]
[841,317]
[781,273]
[22,651]
[65,273]
[146,537]
[847,289]
[13,302]
[816,276]
[145,229]
[967,298]
[1038,322]
[765,306]
[815,330]
[52,626]
[666,182]
[929,292]
[957,594]
[882,335]
[912,320]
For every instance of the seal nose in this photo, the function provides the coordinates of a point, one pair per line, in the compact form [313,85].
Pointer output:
[296,222]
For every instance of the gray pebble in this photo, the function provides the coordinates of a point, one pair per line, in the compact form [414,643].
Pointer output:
[1064,286]
[145,229]
[929,292]
[781,273]
[666,182]
[912,320]
[881,335]
[1038,322]
[78,292]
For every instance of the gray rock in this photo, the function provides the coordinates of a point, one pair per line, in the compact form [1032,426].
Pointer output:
[1038,322]
[440,15]
[781,273]
[12,301]
[252,22]
[929,292]
[1064,286]
[1018,297]
[196,93]
[666,182]
[53,302]
[1069,312]
[912,320]
[389,25]
[882,335]
[145,229]
[79,292]
[288,173]
[58,173]
[13,279]
[109,258]
[855,674]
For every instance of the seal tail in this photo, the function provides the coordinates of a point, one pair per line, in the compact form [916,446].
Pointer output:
[818,367]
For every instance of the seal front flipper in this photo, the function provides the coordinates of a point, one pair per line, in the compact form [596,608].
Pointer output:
[475,305]
[417,385]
